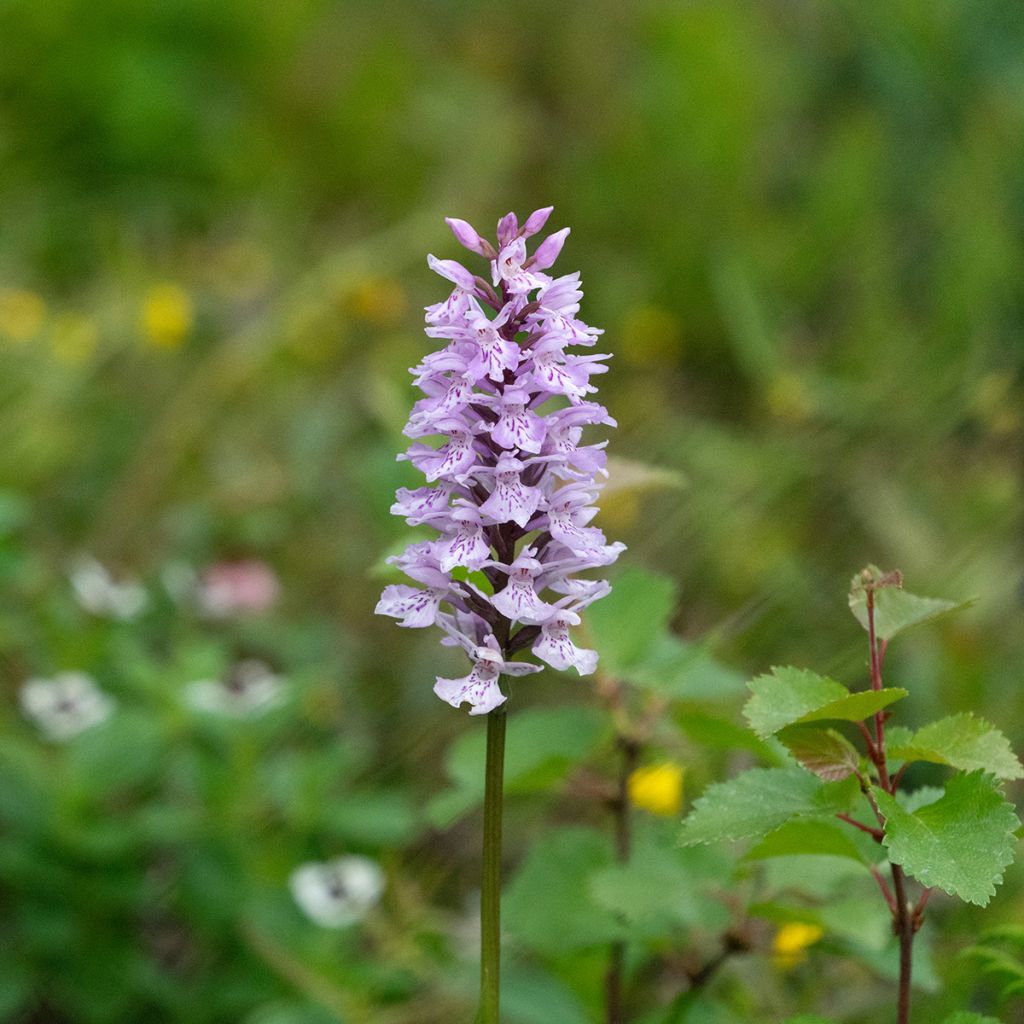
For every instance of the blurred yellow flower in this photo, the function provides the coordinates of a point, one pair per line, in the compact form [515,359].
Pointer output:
[166,316]
[658,788]
[74,338]
[21,313]
[791,942]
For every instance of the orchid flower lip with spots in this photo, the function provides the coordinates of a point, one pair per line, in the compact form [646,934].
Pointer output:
[511,487]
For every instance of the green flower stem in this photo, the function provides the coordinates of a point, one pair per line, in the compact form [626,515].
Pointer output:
[490,896]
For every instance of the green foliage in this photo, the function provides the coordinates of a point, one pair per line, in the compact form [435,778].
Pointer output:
[541,744]
[960,741]
[791,696]
[628,623]
[547,905]
[823,752]
[965,1017]
[1004,965]
[821,340]
[630,630]
[661,891]
[961,843]
[760,801]
[896,610]
[813,837]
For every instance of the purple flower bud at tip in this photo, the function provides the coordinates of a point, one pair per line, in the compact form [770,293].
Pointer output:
[508,228]
[548,250]
[466,235]
[536,221]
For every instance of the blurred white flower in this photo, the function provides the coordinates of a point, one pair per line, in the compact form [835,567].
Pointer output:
[237,588]
[338,892]
[98,592]
[65,705]
[248,689]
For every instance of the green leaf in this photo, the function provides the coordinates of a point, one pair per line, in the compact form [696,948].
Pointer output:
[960,741]
[548,906]
[823,752]
[810,837]
[961,843]
[541,744]
[530,996]
[1009,931]
[759,801]
[793,696]
[655,892]
[626,624]
[377,817]
[674,668]
[966,1017]
[896,610]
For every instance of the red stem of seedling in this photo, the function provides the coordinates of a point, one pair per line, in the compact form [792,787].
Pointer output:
[905,923]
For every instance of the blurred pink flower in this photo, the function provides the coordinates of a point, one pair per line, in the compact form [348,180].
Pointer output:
[226,589]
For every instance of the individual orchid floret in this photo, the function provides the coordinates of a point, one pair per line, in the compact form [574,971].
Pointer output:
[454,457]
[468,545]
[510,500]
[512,480]
[480,688]
[423,504]
[519,600]
[556,648]
[517,426]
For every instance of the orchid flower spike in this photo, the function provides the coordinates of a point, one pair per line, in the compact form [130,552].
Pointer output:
[509,489]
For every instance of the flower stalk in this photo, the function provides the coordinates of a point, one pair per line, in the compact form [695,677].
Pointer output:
[490,892]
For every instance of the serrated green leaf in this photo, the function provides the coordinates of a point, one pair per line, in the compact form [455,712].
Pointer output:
[913,800]
[896,610]
[960,741]
[793,696]
[823,752]
[961,843]
[759,801]
[808,837]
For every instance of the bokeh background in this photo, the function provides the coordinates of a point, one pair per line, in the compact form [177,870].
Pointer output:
[802,227]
